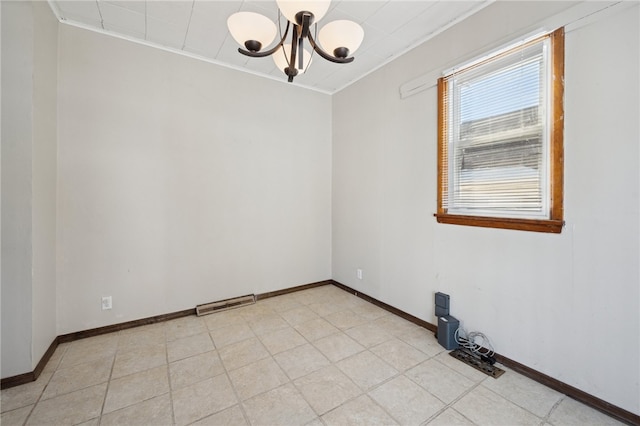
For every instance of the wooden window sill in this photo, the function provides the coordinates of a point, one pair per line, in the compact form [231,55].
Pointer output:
[534,225]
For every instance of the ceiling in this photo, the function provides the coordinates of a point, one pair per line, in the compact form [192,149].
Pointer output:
[198,28]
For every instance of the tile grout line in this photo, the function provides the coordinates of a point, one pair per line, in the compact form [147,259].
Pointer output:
[515,403]
[307,342]
[318,416]
[239,403]
[343,331]
[370,389]
[171,390]
[402,373]
[35,404]
[555,406]
[458,398]
[366,392]
[56,369]
[290,380]
[362,392]
[106,392]
[166,354]
[332,363]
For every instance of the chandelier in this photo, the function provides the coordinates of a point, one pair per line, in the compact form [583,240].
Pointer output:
[338,39]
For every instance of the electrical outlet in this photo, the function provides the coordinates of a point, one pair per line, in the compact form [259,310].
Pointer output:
[359,273]
[107,303]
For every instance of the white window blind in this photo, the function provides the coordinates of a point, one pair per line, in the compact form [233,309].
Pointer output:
[497,159]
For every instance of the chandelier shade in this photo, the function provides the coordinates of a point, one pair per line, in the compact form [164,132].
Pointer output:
[290,8]
[247,27]
[282,58]
[255,32]
[341,34]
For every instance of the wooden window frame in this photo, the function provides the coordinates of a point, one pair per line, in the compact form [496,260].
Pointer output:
[555,222]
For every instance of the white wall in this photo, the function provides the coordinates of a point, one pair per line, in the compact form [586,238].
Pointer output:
[44,175]
[29,63]
[17,90]
[181,182]
[566,305]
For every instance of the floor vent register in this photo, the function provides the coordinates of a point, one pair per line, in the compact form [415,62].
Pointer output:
[477,362]
[223,305]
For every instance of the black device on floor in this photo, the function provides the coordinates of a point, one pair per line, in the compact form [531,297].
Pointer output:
[447,325]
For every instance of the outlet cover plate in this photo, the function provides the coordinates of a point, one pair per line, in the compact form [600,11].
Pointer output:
[107,303]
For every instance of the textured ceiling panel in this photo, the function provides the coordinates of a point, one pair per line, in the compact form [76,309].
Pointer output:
[198,28]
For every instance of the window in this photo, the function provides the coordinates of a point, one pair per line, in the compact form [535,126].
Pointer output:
[500,139]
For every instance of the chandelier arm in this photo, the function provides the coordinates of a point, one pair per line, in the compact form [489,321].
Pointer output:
[267,52]
[291,70]
[305,24]
[300,53]
[325,55]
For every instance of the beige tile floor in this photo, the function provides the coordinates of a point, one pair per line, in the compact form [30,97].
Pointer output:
[316,357]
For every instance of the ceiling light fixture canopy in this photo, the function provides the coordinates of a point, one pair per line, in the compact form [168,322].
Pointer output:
[338,39]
